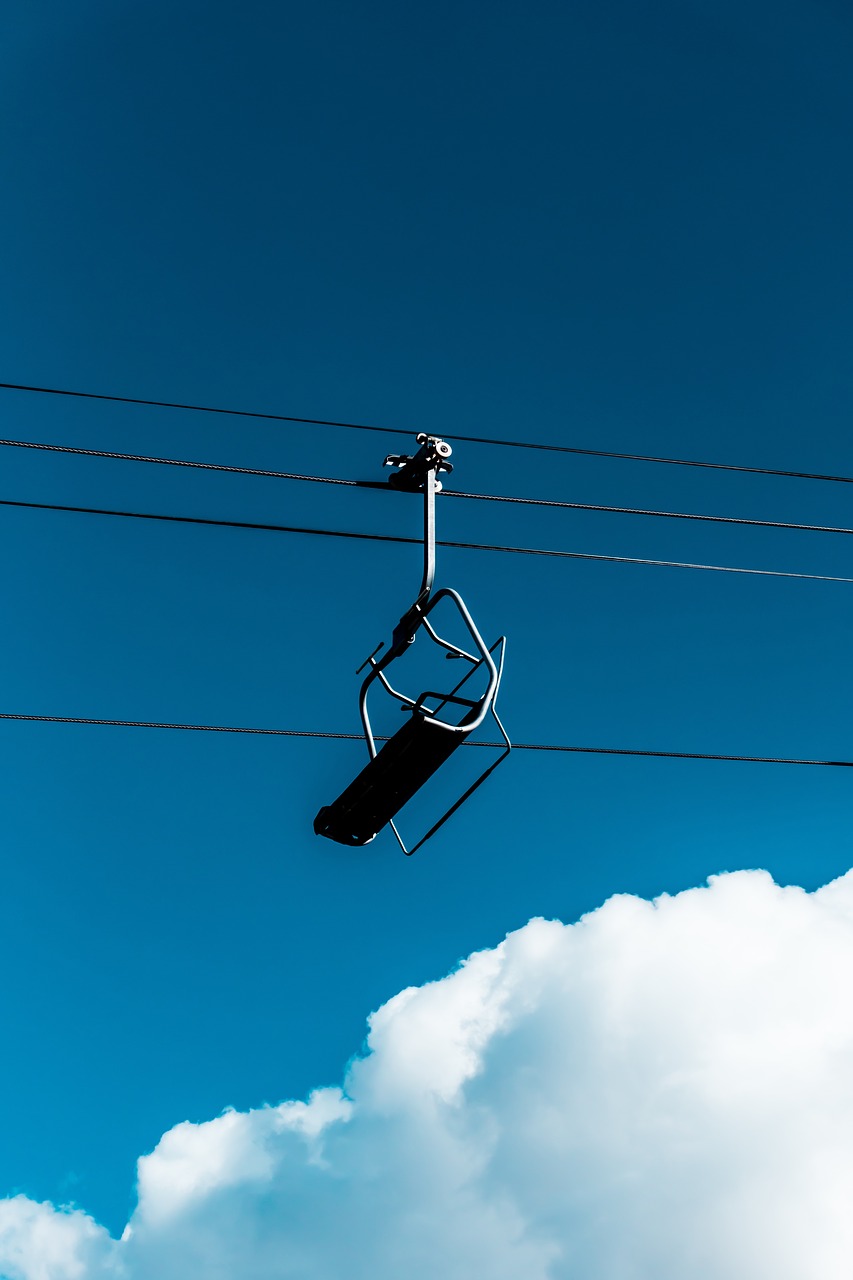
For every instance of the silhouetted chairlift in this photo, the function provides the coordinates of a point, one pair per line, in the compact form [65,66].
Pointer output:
[407,760]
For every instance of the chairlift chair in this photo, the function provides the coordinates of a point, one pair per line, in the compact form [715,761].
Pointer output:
[401,766]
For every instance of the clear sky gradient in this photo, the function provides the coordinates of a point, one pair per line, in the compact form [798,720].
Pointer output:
[609,225]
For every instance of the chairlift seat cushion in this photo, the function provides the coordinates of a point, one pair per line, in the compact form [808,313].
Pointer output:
[388,781]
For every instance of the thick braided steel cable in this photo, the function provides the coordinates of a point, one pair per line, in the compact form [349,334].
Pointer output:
[648,511]
[440,542]
[358,737]
[449,493]
[189,464]
[398,431]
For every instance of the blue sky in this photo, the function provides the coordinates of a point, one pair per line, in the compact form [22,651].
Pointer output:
[607,225]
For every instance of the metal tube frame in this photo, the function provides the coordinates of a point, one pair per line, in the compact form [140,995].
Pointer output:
[483,776]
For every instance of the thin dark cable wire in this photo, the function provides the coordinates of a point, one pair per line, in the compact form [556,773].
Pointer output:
[389,537]
[646,457]
[358,737]
[450,493]
[204,408]
[487,440]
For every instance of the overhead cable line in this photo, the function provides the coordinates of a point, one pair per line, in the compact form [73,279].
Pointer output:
[487,440]
[645,511]
[204,408]
[441,542]
[188,463]
[357,737]
[449,493]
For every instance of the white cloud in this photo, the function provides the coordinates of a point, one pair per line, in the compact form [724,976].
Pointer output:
[38,1242]
[661,1090]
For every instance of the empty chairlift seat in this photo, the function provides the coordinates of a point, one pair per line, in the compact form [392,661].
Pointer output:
[388,781]
[396,772]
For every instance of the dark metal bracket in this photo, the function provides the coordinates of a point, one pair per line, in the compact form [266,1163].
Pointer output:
[418,474]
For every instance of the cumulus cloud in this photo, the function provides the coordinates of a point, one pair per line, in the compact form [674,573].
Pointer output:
[661,1090]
